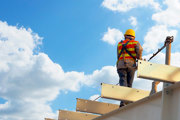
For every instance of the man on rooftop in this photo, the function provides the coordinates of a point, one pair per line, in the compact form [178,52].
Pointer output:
[128,51]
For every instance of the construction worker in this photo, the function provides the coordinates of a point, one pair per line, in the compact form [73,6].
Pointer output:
[128,51]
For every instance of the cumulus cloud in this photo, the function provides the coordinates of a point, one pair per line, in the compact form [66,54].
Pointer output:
[30,81]
[156,36]
[169,16]
[126,5]
[133,20]
[112,36]
[94,97]
[107,74]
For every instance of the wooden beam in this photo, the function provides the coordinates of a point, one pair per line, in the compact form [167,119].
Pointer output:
[148,108]
[94,106]
[69,115]
[117,92]
[159,72]
[49,119]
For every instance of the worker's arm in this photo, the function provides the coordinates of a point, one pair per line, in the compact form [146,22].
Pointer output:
[139,50]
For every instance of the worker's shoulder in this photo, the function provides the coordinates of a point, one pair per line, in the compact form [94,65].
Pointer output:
[120,42]
[134,40]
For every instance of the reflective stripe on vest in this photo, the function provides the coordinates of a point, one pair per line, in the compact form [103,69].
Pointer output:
[130,47]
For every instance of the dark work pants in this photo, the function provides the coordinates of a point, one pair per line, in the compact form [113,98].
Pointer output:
[126,77]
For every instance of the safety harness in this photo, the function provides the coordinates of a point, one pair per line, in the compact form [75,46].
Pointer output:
[124,48]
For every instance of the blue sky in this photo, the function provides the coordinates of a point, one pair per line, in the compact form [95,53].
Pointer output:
[53,52]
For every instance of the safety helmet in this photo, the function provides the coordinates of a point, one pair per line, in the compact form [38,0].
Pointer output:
[130,32]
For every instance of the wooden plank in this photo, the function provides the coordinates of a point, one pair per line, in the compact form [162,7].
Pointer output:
[159,72]
[49,119]
[122,93]
[148,108]
[94,106]
[69,115]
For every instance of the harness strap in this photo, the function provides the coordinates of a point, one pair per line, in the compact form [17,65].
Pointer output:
[124,48]
[130,54]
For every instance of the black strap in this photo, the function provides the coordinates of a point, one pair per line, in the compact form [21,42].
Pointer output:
[124,48]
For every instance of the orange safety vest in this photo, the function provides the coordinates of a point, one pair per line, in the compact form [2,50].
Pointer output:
[130,47]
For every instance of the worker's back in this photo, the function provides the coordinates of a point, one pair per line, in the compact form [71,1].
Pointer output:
[127,56]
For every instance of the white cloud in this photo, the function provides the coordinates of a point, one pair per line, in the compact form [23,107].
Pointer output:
[107,74]
[112,36]
[126,5]
[171,15]
[133,20]
[94,97]
[30,81]
[156,36]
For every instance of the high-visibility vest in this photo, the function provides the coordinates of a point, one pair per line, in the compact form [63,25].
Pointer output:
[130,47]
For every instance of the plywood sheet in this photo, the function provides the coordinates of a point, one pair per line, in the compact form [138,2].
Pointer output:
[122,93]
[159,72]
[94,106]
[69,115]
[49,119]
